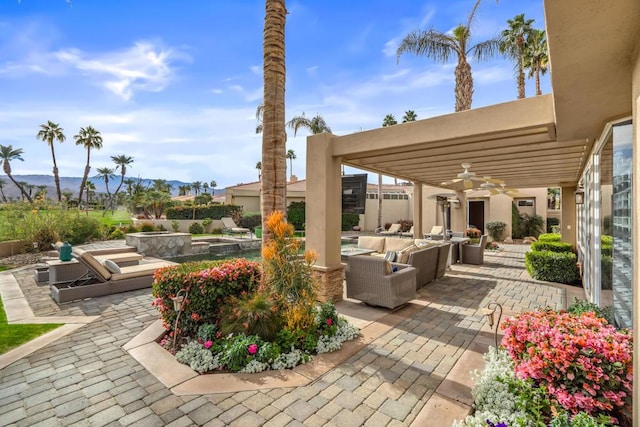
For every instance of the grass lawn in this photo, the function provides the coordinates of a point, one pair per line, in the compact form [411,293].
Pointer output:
[12,336]
[118,217]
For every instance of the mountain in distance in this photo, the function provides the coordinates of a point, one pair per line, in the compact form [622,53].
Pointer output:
[73,184]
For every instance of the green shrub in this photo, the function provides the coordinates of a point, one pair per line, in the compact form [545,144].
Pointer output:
[531,225]
[147,227]
[516,232]
[251,314]
[83,229]
[551,223]
[204,212]
[550,237]
[208,283]
[559,267]
[175,225]
[606,245]
[116,234]
[551,246]
[132,229]
[496,230]
[207,224]
[196,228]
[578,307]
[606,239]
[296,215]
[349,220]
[161,227]
[250,221]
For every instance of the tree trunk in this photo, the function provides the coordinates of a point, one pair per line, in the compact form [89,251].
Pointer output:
[538,91]
[56,176]
[274,178]
[521,92]
[83,183]
[6,167]
[379,200]
[464,85]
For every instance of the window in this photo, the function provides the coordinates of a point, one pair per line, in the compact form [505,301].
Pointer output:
[527,202]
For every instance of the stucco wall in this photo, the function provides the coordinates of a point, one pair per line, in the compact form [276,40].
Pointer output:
[392,211]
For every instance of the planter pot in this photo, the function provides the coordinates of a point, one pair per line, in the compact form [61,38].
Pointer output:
[258,232]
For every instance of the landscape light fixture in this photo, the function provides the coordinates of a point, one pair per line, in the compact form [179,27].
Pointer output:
[490,311]
[178,306]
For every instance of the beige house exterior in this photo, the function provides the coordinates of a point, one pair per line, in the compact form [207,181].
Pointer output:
[398,204]
[554,140]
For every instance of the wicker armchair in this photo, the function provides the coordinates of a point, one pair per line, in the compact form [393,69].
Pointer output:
[443,256]
[368,281]
[474,254]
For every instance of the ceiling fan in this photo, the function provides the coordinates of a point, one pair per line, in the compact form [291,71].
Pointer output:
[467,177]
[511,192]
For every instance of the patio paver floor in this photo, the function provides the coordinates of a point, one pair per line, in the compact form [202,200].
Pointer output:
[88,378]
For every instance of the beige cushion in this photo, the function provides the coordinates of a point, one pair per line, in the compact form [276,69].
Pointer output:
[140,270]
[425,243]
[120,257]
[371,242]
[77,251]
[95,265]
[403,256]
[388,269]
[396,243]
[111,266]
[436,229]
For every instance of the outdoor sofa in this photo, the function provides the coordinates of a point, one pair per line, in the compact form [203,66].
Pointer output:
[373,281]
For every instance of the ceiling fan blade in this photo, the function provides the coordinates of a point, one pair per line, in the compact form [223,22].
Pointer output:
[468,183]
[492,180]
[453,181]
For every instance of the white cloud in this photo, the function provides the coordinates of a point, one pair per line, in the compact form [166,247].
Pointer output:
[142,67]
[256,69]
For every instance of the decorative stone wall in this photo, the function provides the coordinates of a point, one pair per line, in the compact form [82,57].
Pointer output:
[160,244]
[330,283]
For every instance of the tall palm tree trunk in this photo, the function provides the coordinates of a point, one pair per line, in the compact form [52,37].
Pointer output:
[56,176]
[7,170]
[274,178]
[83,183]
[521,83]
[4,198]
[464,85]
[537,74]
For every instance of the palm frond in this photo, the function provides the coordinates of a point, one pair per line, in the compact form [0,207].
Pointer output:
[431,43]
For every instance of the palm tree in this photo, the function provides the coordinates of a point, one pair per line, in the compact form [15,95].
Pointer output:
[106,174]
[42,192]
[48,133]
[89,138]
[274,136]
[91,189]
[441,47]
[196,187]
[513,44]
[205,186]
[7,154]
[121,161]
[389,120]
[536,57]
[316,124]
[291,155]
[2,184]
[129,183]
[409,116]
[213,186]
[259,167]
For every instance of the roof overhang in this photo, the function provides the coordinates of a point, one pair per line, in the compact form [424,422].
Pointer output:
[541,141]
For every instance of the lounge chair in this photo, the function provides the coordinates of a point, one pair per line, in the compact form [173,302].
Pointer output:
[473,254]
[105,277]
[370,280]
[435,233]
[393,230]
[230,227]
[407,233]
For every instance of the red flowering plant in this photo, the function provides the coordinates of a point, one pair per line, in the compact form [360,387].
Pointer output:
[584,363]
[207,284]
[472,233]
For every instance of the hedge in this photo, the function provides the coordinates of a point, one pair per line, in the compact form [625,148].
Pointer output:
[349,220]
[552,246]
[606,272]
[204,212]
[559,267]
[550,237]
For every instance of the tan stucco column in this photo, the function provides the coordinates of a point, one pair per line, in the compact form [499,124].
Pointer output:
[569,221]
[324,215]
[458,213]
[417,210]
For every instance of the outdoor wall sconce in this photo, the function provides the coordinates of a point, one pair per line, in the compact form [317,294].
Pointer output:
[178,306]
[579,196]
[490,311]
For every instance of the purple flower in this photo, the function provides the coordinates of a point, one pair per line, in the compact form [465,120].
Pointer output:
[208,344]
[329,321]
[252,348]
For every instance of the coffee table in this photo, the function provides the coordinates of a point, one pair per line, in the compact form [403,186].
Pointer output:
[349,252]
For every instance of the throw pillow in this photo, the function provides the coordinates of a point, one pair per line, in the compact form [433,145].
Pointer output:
[112,266]
[390,256]
[403,256]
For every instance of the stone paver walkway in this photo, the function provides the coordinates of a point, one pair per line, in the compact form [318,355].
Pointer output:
[87,378]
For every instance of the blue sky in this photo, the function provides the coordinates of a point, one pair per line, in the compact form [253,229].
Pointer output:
[176,84]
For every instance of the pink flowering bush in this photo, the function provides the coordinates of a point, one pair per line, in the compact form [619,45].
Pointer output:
[584,363]
[208,284]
